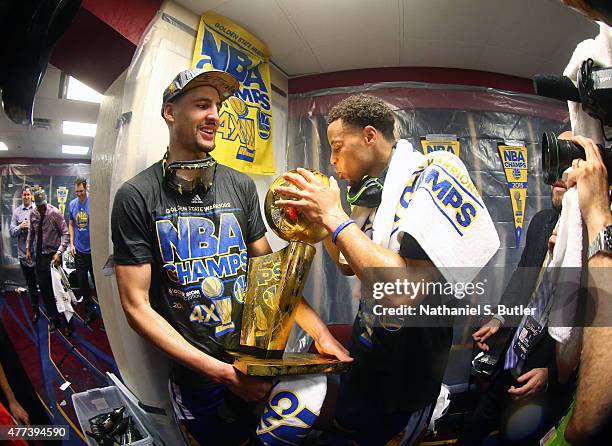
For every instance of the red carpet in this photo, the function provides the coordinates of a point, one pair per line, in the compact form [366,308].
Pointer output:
[51,359]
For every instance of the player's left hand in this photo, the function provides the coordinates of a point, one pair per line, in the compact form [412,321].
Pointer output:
[534,381]
[319,203]
[328,345]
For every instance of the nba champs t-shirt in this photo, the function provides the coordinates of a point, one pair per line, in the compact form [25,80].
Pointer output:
[197,247]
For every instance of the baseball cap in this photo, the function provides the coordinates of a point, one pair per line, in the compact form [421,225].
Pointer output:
[223,82]
[40,197]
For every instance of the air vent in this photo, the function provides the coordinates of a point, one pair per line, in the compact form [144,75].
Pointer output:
[44,123]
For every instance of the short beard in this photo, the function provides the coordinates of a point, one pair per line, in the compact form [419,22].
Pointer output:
[206,150]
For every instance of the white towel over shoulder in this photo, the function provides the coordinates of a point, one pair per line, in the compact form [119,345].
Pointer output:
[434,199]
[442,209]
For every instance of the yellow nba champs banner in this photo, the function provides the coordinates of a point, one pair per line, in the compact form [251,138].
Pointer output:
[434,143]
[244,138]
[62,197]
[514,159]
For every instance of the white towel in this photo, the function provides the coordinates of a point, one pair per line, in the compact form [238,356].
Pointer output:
[567,261]
[64,296]
[404,163]
[442,209]
[433,199]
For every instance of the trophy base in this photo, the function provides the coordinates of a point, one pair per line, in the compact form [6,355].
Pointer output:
[289,364]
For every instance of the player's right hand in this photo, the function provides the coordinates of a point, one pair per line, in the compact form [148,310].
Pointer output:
[249,388]
[485,332]
[25,224]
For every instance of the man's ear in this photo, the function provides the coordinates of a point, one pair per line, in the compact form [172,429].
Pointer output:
[169,112]
[370,134]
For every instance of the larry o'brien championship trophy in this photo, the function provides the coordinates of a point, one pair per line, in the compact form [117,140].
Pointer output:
[274,288]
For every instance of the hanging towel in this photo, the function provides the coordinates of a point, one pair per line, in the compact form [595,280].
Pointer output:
[64,296]
[566,265]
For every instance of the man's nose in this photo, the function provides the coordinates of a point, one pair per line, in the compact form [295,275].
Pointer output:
[213,114]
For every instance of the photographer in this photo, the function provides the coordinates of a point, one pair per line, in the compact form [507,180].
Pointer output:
[532,379]
[593,404]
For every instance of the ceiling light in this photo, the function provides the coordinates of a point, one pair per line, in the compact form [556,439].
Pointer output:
[74,150]
[77,90]
[78,128]
[3,146]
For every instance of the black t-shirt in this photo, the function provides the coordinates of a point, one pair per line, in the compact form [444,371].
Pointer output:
[197,245]
[404,366]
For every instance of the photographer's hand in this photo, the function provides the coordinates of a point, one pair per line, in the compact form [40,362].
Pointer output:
[485,332]
[591,179]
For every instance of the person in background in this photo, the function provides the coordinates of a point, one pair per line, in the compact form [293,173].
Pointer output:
[534,378]
[20,223]
[80,246]
[47,240]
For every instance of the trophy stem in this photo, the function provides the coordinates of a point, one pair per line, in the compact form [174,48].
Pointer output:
[276,282]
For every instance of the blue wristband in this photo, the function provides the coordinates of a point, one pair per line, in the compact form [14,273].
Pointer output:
[339,229]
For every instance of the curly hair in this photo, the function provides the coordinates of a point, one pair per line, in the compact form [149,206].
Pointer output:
[363,109]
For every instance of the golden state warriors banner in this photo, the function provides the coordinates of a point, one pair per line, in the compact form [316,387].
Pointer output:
[62,197]
[514,159]
[434,143]
[244,138]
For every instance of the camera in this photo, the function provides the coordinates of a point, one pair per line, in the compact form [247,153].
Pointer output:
[594,90]
[557,155]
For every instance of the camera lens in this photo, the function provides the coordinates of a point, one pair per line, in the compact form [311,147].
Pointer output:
[558,154]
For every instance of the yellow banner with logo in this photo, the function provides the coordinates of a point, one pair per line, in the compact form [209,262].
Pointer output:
[244,138]
[514,159]
[62,197]
[434,143]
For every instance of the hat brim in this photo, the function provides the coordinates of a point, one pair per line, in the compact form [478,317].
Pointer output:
[225,84]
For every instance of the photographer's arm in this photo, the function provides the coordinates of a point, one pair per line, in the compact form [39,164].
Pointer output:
[593,404]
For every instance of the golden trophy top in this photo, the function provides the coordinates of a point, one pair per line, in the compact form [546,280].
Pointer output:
[289,223]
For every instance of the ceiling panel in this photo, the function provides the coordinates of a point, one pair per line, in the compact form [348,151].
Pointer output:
[464,21]
[341,56]
[27,142]
[323,23]
[539,28]
[269,23]
[439,53]
[299,61]
[507,61]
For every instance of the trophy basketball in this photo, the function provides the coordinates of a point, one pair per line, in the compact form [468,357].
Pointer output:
[274,289]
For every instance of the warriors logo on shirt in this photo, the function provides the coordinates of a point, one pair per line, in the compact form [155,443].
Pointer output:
[82,219]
